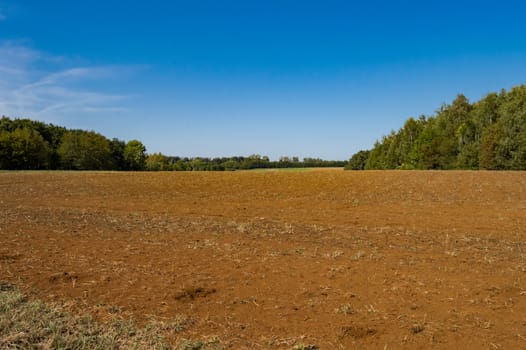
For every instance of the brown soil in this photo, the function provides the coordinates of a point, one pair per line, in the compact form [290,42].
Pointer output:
[267,260]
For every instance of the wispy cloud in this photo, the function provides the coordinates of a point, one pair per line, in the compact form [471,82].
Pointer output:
[2,16]
[41,86]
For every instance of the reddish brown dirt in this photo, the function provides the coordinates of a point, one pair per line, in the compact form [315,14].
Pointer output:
[266,260]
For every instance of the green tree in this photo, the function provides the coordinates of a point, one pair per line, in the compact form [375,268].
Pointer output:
[158,162]
[423,154]
[135,155]
[448,135]
[198,164]
[231,165]
[488,157]
[85,150]
[23,148]
[358,161]
[375,159]
[383,154]
[117,154]
[511,148]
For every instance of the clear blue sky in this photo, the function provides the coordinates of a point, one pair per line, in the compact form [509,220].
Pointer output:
[274,77]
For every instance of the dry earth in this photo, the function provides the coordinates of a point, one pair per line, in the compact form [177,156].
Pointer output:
[272,260]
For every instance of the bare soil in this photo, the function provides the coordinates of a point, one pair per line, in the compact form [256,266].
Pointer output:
[270,260]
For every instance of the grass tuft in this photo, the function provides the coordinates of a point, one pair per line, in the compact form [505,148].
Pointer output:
[26,324]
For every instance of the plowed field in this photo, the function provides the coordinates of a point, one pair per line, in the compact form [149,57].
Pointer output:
[270,260]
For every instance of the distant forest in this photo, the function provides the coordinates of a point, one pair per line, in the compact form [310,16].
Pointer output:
[488,134]
[26,144]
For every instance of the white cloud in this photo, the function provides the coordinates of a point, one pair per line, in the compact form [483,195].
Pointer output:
[2,16]
[57,91]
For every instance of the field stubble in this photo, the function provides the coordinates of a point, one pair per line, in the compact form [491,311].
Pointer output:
[328,259]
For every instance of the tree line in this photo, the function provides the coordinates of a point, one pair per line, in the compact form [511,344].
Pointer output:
[488,134]
[27,144]
[158,161]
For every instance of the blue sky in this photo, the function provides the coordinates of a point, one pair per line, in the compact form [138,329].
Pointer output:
[275,77]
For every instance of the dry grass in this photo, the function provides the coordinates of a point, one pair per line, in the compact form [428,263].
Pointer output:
[28,324]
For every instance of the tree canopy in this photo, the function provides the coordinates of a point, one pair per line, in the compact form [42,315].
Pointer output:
[488,134]
[23,148]
[27,145]
[135,155]
[81,150]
